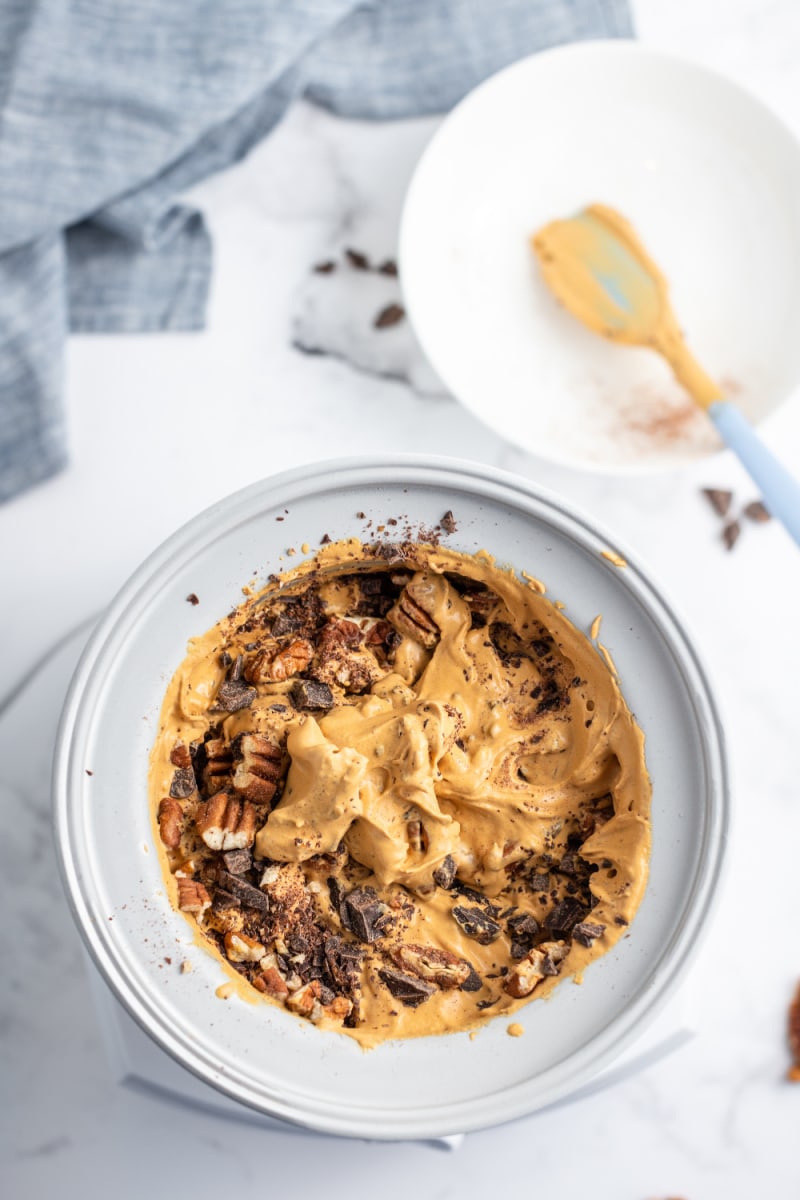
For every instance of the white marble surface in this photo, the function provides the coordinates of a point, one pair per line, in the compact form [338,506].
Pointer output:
[161,426]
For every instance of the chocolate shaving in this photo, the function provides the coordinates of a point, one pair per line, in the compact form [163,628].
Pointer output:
[193,599]
[445,873]
[719,499]
[476,924]
[366,914]
[357,260]
[448,522]
[309,693]
[730,534]
[757,511]
[393,314]
[183,783]
[406,988]
[244,892]
[324,268]
[389,267]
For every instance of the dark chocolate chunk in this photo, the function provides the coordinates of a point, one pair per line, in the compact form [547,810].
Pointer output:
[473,982]
[448,522]
[523,929]
[620,920]
[237,861]
[357,260]
[251,897]
[474,897]
[406,988]
[730,534]
[309,693]
[392,314]
[343,960]
[366,914]
[757,511]
[336,893]
[561,919]
[569,864]
[445,873]
[193,599]
[233,695]
[326,996]
[223,899]
[719,499]
[183,783]
[550,966]
[389,267]
[286,622]
[587,932]
[225,659]
[540,883]
[476,924]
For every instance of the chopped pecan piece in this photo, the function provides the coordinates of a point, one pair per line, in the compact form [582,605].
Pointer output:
[272,983]
[410,618]
[219,764]
[170,820]
[304,999]
[529,973]
[341,660]
[428,962]
[183,783]
[258,769]
[476,924]
[271,666]
[408,989]
[226,823]
[180,755]
[241,949]
[192,896]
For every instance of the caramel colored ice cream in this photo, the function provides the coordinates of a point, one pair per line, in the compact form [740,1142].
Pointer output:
[399,793]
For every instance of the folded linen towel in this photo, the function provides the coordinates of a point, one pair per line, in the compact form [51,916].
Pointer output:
[109,112]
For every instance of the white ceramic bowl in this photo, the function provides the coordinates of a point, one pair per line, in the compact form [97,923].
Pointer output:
[259,1054]
[709,177]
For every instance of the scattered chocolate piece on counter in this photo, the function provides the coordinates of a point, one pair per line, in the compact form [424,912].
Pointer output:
[757,511]
[308,693]
[237,861]
[366,914]
[719,499]
[324,268]
[445,873]
[406,988]
[476,924]
[392,314]
[794,1037]
[587,932]
[389,267]
[357,260]
[183,783]
[730,534]
[248,895]
[448,522]
[193,599]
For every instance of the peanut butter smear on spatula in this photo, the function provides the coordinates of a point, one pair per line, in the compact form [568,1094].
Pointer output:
[596,266]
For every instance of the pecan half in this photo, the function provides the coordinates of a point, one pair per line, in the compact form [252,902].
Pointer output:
[219,764]
[271,666]
[428,962]
[226,823]
[258,769]
[409,617]
[170,820]
[240,948]
[192,896]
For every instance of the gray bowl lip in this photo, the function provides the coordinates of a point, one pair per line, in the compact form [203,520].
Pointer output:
[483,481]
